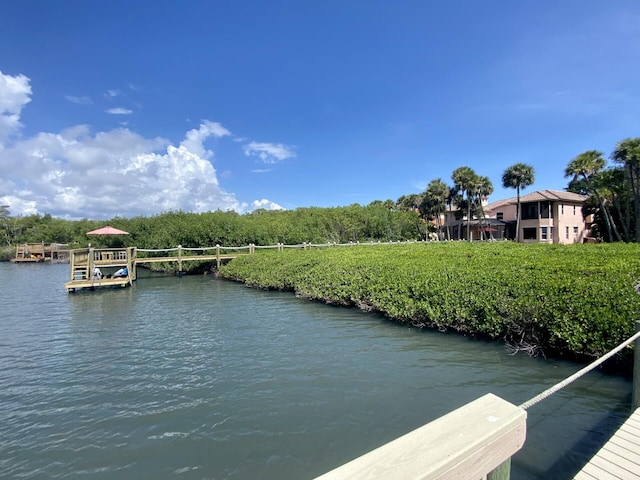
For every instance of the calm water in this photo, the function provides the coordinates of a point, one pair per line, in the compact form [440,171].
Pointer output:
[199,378]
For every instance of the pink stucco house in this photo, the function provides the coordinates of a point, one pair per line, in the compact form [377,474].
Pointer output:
[548,216]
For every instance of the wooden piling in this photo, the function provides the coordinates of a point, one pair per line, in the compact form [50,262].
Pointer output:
[501,472]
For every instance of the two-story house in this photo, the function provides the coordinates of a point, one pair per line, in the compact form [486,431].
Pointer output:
[547,216]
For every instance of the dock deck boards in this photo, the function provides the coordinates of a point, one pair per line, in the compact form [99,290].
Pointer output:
[94,283]
[619,458]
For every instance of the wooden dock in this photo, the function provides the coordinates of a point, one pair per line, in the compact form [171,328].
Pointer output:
[85,261]
[41,252]
[619,458]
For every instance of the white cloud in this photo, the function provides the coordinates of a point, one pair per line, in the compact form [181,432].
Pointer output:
[119,111]
[269,152]
[76,174]
[195,138]
[15,93]
[79,100]
[112,93]
[265,205]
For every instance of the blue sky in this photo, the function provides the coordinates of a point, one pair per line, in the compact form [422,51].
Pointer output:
[135,108]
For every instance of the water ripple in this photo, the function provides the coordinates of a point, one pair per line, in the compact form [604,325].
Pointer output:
[199,378]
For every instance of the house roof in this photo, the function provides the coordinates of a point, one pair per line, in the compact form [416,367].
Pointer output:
[553,195]
[538,195]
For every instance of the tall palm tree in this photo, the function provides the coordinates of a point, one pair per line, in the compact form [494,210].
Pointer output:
[585,166]
[434,202]
[627,153]
[483,189]
[518,176]
[465,181]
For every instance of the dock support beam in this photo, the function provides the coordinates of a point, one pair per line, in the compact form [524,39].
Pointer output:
[635,396]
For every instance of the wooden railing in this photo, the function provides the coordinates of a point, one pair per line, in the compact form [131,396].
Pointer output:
[475,441]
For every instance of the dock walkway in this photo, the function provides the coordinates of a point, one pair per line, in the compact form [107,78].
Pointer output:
[619,458]
[89,266]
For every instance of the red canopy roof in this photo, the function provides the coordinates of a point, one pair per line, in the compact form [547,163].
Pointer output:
[108,230]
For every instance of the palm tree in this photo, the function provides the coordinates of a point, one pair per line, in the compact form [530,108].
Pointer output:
[434,202]
[409,202]
[465,181]
[518,176]
[483,189]
[585,166]
[627,153]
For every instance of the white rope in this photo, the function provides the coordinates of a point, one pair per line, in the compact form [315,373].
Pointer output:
[548,392]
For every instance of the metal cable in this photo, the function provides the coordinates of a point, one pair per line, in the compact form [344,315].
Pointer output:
[550,391]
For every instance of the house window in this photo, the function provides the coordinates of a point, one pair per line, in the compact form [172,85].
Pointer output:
[567,232]
[574,209]
[500,215]
[546,210]
[562,209]
[529,211]
[575,231]
[543,233]
[529,233]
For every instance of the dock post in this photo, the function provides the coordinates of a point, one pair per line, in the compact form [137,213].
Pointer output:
[179,260]
[90,264]
[635,397]
[132,254]
[218,255]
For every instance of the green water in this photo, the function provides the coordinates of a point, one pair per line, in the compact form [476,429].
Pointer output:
[199,378]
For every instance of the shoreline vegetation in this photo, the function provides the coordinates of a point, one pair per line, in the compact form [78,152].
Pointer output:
[575,301]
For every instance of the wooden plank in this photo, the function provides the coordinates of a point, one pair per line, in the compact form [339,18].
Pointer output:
[619,458]
[105,282]
[592,471]
[605,462]
[624,445]
[464,444]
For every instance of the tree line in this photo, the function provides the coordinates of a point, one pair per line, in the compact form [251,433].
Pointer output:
[613,191]
[354,223]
